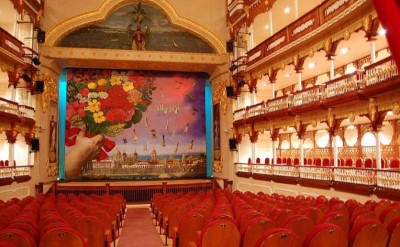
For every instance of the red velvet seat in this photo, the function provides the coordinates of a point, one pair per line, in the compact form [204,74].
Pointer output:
[326,235]
[349,162]
[394,163]
[337,218]
[394,233]
[368,233]
[299,224]
[62,237]
[389,213]
[219,233]
[17,237]
[253,229]
[278,237]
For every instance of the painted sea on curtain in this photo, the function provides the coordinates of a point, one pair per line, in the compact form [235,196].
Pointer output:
[153,122]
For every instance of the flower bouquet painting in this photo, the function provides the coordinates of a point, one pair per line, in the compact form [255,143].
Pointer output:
[105,102]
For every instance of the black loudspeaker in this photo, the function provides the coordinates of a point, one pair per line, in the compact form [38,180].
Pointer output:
[229,46]
[39,86]
[35,145]
[232,144]
[229,91]
[41,36]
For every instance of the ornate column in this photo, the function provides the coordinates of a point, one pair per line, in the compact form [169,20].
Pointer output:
[300,130]
[298,67]
[272,73]
[370,27]
[253,135]
[274,137]
[376,117]
[330,48]
[333,127]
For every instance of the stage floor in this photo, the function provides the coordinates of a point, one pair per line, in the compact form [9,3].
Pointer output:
[133,183]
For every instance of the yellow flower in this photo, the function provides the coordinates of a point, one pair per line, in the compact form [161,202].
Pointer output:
[115,80]
[128,86]
[99,117]
[92,85]
[93,105]
[102,82]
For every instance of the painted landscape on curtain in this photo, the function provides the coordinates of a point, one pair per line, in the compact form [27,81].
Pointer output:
[153,122]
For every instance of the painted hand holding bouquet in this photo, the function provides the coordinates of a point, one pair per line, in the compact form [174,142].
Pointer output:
[105,102]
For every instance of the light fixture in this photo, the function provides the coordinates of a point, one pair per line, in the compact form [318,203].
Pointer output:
[286,10]
[264,84]
[35,60]
[382,32]
[344,50]
[266,26]
[233,67]
[390,113]
[311,65]
[287,74]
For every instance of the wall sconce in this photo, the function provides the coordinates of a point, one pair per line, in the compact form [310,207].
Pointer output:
[26,78]
[35,60]
[241,83]
[233,67]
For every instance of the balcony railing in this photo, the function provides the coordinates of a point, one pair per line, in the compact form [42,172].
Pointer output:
[342,85]
[377,73]
[329,175]
[13,108]
[306,96]
[10,174]
[258,109]
[380,71]
[278,104]
[389,179]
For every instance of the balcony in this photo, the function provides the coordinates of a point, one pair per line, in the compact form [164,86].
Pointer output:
[356,180]
[378,78]
[10,49]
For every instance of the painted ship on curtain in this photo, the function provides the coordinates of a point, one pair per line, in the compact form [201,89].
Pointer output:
[153,122]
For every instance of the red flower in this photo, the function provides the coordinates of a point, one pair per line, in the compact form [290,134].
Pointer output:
[75,108]
[84,91]
[101,89]
[119,115]
[117,98]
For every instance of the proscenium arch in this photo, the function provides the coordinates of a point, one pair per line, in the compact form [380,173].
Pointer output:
[80,21]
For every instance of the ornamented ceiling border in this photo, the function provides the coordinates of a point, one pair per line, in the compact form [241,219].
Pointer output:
[107,8]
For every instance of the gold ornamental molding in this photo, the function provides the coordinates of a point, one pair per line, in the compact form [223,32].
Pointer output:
[219,94]
[77,22]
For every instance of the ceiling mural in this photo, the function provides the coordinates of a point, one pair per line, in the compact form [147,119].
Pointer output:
[136,27]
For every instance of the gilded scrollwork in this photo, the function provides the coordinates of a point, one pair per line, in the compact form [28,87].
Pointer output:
[220,96]
[396,108]
[49,93]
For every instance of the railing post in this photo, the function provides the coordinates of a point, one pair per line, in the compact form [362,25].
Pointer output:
[39,188]
[107,188]
[164,187]
[54,188]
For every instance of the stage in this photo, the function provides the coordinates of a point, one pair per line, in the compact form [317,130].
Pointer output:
[139,191]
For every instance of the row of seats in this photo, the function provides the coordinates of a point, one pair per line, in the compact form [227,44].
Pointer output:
[276,220]
[348,162]
[60,220]
[6,163]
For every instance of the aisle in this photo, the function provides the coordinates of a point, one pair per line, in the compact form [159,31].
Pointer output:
[139,229]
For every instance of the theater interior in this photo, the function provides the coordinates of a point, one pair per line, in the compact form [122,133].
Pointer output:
[272,122]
